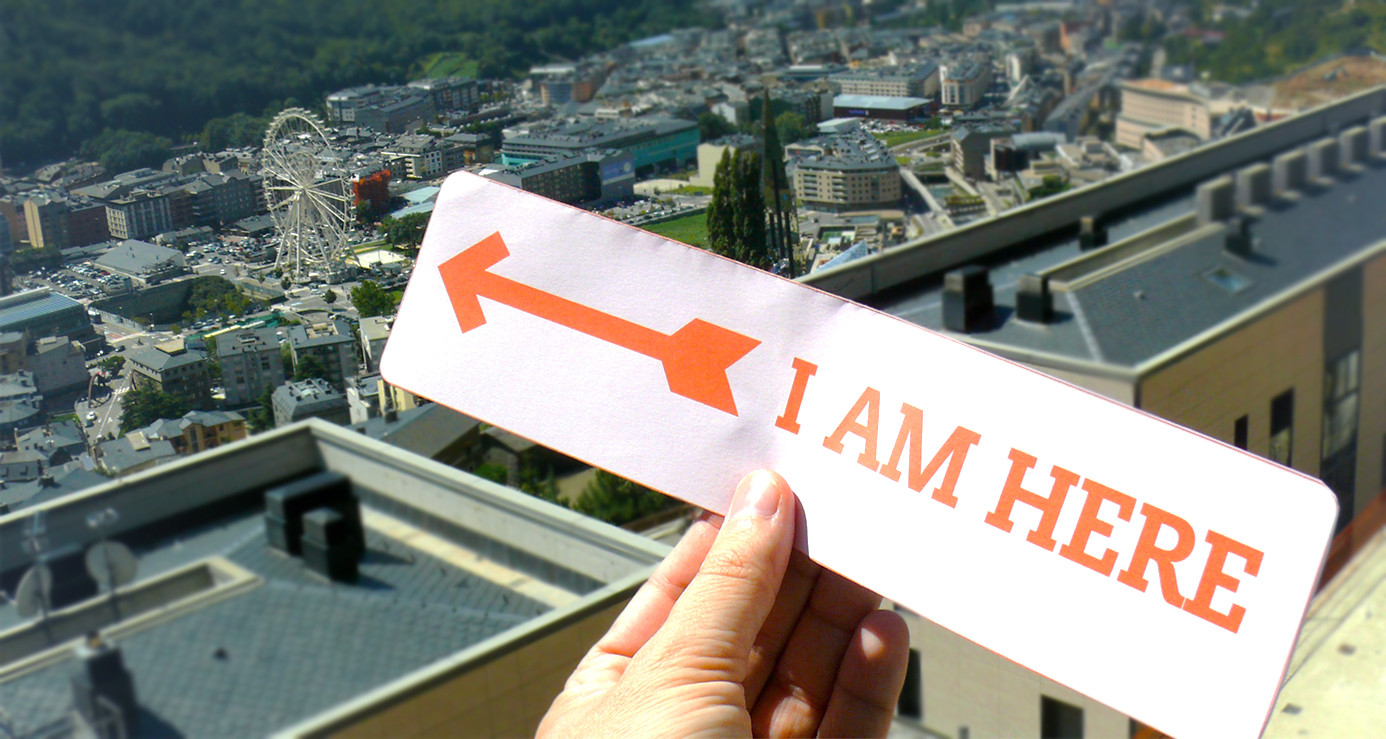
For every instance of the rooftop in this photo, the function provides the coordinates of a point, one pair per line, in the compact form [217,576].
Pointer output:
[451,562]
[878,102]
[19,310]
[162,361]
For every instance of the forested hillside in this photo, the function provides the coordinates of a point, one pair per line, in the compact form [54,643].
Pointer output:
[71,69]
[1280,36]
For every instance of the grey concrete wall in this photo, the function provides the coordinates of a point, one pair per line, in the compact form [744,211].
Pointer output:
[878,272]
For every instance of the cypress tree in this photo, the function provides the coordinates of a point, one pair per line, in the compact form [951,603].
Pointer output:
[721,209]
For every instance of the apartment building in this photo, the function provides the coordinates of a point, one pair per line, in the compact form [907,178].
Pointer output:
[962,84]
[250,362]
[919,81]
[1153,105]
[851,170]
[331,344]
[175,370]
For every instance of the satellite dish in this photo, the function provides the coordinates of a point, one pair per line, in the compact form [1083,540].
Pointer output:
[34,591]
[110,560]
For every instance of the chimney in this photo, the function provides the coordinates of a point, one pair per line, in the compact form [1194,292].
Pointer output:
[327,545]
[1323,159]
[103,690]
[1354,145]
[967,299]
[1091,234]
[1033,301]
[1239,236]
[1376,131]
[1216,200]
[1290,171]
[286,505]
[1253,186]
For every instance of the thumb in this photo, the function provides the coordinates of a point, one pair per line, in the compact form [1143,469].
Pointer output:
[715,622]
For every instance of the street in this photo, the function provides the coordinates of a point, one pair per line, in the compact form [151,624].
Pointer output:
[107,408]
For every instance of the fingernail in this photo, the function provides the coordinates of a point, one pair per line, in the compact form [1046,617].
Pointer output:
[756,494]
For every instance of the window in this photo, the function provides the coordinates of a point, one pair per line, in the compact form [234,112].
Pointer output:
[911,703]
[1340,384]
[1239,433]
[1059,720]
[1282,427]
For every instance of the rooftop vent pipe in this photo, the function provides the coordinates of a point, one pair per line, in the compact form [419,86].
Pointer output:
[1254,186]
[1033,301]
[103,691]
[328,545]
[1216,200]
[1290,171]
[286,506]
[1354,146]
[968,302]
[1323,159]
[1091,234]
[1239,236]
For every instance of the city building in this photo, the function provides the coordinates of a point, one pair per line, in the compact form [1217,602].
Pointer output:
[1154,105]
[178,371]
[144,263]
[311,398]
[1015,153]
[332,344]
[911,81]
[650,141]
[971,147]
[59,365]
[882,108]
[198,431]
[319,582]
[14,352]
[418,156]
[363,398]
[962,84]
[384,108]
[594,176]
[46,217]
[222,199]
[566,83]
[140,214]
[845,171]
[131,453]
[250,362]
[450,93]
[42,312]
[57,442]
[375,331]
[710,155]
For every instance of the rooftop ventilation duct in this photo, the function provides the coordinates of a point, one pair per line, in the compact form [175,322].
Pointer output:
[329,545]
[1254,186]
[1354,146]
[103,690]
[286,506]
[1376,132]
[1239,236]
[968,302]
[1091,234]
[1033,301]
[1216,200]
[1323,159]
[1290,171]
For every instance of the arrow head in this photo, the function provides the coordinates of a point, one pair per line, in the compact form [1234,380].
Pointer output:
[462,277]
[697,360]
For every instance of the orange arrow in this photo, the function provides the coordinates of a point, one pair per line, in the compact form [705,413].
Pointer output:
[695,357]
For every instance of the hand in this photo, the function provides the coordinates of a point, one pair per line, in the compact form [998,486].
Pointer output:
[735,633]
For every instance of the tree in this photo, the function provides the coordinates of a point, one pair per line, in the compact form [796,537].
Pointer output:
[330,296]
[285,283]
[112,365]
[407,231]
[261,417]
[736,213]
[122,151]
[712,126]
[146,404]
[721,208]
[309,367]
[777,192]
[371,299]
[619,501]
[791,127]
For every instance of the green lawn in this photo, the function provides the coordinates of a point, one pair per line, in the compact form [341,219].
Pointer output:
[444,64]
[688,229]
[895,138]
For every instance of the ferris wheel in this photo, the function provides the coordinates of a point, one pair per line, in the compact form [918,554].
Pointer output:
[307,195]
